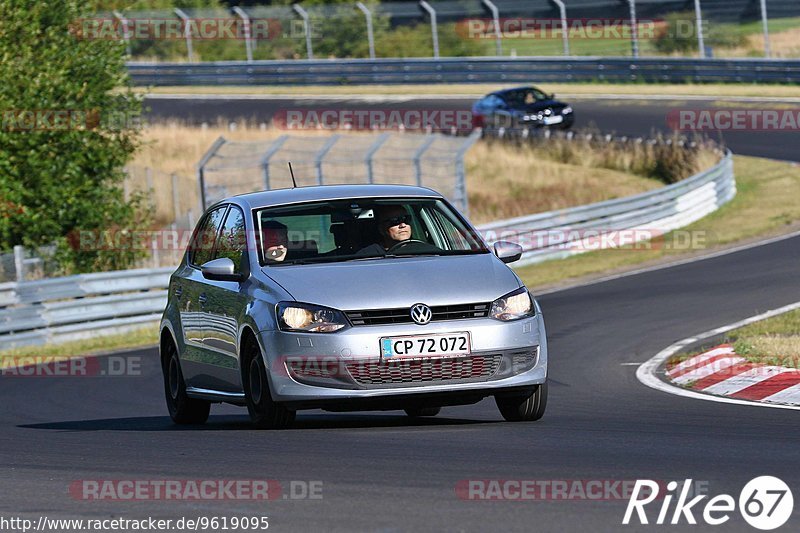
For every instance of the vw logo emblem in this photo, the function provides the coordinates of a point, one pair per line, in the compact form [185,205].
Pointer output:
[421,314]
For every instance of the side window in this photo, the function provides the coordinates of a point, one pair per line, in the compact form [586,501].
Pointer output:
[454,239]
[494,102]
[232,240]
[203,243]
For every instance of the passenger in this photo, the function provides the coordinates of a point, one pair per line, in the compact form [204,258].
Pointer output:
[275,238]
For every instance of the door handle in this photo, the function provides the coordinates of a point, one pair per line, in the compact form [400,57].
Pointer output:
[178,291]
[202,299]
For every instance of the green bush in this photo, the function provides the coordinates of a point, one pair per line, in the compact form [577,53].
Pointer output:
[69,126]
[678,34]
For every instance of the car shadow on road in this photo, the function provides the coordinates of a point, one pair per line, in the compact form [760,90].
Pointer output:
[232,422]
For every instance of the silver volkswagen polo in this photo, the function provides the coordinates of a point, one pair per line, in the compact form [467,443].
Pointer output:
[365,297]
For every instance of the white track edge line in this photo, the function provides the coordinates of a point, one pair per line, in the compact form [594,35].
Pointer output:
[646,373]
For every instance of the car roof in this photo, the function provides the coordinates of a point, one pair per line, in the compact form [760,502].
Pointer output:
[276,197]
[511,89]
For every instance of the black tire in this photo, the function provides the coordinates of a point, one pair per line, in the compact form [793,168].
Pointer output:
[264,413]
[417,412]
[523,408]
[182,409]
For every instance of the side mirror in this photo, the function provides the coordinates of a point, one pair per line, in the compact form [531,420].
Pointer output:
[553,96]
[221,269]
[508,252]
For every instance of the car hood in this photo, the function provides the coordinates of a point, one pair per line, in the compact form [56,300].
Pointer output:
[400,282]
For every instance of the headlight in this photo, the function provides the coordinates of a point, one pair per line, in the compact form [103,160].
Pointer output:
[513,306]
[293,316]
[566,111]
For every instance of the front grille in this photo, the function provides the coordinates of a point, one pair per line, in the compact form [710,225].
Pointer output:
[424,371]
[402,315]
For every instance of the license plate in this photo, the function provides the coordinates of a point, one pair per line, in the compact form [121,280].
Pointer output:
[553,120]
[425,345]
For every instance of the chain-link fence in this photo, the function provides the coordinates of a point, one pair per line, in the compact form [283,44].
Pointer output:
[433,160]
[173,198]
[451,28]
[228,168]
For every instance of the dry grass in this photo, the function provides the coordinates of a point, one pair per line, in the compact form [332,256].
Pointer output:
[783,44]
[765,204]
[521,182]
[99,344]
[503,180]
[775,341]
[175,148]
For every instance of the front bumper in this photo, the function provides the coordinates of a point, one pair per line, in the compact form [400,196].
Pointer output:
[497,364]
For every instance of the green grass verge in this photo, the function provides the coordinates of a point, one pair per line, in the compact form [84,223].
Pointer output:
[765,204]
[774,341]
[141,337]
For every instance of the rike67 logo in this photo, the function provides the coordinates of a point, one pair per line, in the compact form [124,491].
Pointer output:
[765,503]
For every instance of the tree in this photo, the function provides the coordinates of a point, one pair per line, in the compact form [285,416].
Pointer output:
[69,124]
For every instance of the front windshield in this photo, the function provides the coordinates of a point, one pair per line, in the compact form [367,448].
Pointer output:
[346,230]
[524,97]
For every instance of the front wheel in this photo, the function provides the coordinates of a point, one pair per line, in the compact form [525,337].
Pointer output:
[264,413]
[525,408]
[182,409]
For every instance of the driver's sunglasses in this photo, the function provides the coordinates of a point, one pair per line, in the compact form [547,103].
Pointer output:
[396,221]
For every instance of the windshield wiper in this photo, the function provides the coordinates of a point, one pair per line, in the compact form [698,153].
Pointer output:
[296,262]
[427,254]
[368,258]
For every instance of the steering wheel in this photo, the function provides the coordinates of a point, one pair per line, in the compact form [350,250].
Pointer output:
[403,244]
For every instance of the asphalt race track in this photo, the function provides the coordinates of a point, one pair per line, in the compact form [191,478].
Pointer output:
[382,472]
[628,116]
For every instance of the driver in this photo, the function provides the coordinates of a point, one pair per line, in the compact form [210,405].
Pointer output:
[394,226]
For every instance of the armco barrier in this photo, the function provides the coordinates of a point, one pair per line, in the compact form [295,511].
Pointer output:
[82,306]
[466,70]
[75,307]
[660,210]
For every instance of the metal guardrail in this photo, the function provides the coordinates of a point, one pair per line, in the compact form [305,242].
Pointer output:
[82,306]
[466,70]
[559,234]
[75,307]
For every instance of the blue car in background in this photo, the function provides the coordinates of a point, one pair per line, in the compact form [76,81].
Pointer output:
[521,107]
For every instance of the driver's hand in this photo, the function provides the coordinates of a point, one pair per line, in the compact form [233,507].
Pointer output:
[276,253]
